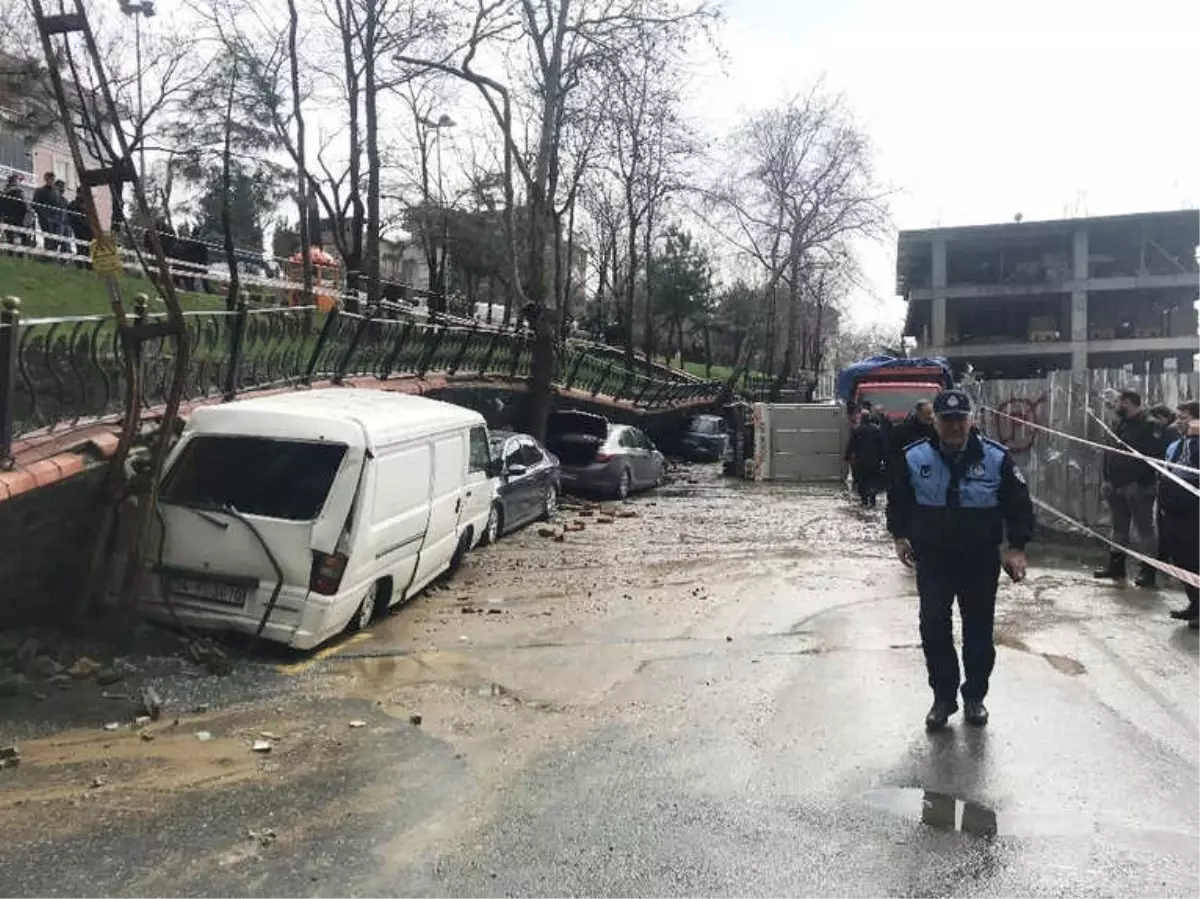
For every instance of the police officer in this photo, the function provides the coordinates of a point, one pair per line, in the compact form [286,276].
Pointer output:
[949,509]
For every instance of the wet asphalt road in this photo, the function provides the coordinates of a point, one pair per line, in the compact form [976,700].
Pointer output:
[722,695]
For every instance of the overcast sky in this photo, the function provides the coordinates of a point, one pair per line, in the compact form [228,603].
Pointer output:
[979,111]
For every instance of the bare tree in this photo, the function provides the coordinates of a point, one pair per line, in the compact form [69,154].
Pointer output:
[563,46]
[799,188]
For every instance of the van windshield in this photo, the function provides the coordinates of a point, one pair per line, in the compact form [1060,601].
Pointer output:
[287,479]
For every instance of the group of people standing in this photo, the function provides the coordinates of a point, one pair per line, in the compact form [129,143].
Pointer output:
[63,223]
[876,446]
[1154,514]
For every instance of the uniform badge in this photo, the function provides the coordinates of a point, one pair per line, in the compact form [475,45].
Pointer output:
[926,471]
[976,470]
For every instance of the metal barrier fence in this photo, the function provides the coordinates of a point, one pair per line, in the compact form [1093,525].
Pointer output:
[58,373]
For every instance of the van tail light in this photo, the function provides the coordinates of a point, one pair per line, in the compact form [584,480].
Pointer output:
[603,457]
[327,571]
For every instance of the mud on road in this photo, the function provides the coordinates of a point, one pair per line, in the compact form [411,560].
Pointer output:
[713,688]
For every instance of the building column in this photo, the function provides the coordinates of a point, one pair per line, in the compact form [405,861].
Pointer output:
[938,283]
[1080,256]
[1079,328]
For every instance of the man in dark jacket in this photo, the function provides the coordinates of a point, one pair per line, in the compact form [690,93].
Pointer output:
[48,207]
[1129,485]
[1180,507]
[957,499]
[80,226]
[13,208]
[865,452]
[918,425]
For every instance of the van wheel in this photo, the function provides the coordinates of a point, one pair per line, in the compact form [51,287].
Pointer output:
[495,524]
[460,552]
[550,504]
[366,610]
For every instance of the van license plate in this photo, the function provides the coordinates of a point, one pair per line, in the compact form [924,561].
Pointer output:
[212,591]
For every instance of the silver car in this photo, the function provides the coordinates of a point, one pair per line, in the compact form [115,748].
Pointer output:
[596,456]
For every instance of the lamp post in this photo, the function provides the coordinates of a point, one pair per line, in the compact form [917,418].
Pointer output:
[443,121]
[138,11]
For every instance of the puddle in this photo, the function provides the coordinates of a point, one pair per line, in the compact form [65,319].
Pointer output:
[941,811]
[1062,664]
[937,810]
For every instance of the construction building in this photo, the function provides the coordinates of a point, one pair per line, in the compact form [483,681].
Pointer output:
[1019,299]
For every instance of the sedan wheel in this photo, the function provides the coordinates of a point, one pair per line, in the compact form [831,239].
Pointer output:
[625,484]
[492,534]
[550,506]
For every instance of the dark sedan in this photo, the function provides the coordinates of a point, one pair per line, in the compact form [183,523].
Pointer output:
[527,488]
[599,457]
[704,440]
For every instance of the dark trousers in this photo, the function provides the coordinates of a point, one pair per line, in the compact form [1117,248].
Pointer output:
[866,482]
[972,580]
[1133,505]
[1183,543]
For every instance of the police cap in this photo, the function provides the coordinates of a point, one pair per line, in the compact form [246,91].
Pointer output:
[951,404]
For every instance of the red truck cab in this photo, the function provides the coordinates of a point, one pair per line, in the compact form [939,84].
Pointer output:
[894,389]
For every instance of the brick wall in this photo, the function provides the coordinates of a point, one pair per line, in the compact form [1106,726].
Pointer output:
[46,534]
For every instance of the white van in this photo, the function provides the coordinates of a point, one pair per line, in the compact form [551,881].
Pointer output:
[317,510]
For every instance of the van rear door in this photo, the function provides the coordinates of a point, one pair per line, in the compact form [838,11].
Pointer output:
[231,504]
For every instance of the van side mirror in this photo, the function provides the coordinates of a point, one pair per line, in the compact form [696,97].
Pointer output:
[495,468]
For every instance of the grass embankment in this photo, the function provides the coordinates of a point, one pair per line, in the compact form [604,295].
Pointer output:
[51,290]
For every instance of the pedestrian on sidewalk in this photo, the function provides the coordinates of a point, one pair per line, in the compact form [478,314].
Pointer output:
[81,228]
[47,205]
[1130,486]
[13,209]
[957,499]
[865,451]
[1180,508]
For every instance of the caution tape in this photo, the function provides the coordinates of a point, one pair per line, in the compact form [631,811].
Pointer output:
[1100,446]
[1191,578]
[1161,466]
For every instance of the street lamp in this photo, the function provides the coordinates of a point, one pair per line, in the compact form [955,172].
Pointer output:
[443,121]
[138,11]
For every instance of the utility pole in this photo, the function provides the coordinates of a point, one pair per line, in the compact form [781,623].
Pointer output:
[444,121]
[138,11]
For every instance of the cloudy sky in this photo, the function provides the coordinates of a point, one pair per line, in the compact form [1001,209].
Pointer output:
[979,111]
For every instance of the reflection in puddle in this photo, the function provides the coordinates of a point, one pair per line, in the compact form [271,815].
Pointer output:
[937,810]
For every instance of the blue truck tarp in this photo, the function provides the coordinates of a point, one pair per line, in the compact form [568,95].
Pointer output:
[852,374]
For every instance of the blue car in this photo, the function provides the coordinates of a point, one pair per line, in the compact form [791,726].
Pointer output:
[527,487]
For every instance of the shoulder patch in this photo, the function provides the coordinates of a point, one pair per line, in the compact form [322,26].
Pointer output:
[916,443]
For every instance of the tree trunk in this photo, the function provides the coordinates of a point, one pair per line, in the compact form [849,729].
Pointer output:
[306,272]
[708,363]
[226,199]
[370,91]
[565,315]
[354,242]
[630,288]
[647,251]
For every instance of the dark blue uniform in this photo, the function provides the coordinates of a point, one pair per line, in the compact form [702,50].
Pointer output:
[955,510]
[1181,517]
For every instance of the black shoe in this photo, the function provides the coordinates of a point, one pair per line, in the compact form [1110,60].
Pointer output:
[1146,579]
[939,714]
[1114,571]
[1188,614]
[975,712]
